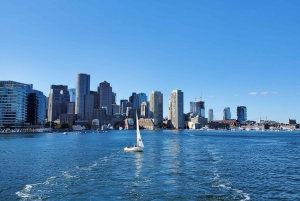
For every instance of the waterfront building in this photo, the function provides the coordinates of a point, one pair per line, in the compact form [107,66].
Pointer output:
[226,113]
[82,89]
[59,98]
[105,96]
[72,93]
[175,114]
[68,118]
[210,115]
[36,107]
[145,109]
[156,106]
[241,113]
[13,103]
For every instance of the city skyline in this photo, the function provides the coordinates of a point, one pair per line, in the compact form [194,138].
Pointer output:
[233,53]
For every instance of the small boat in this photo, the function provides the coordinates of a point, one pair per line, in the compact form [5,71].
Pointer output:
[139,146]
[65,133]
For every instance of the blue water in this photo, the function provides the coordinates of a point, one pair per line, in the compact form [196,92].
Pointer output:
[175,165]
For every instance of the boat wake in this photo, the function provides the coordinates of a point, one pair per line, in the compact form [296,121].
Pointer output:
[222,184]
[67,182]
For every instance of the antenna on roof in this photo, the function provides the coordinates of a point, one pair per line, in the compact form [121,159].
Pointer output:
[201,96]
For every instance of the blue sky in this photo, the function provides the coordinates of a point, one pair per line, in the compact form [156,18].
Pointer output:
[233,52]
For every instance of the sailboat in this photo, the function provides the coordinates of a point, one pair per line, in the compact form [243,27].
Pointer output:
[139,146]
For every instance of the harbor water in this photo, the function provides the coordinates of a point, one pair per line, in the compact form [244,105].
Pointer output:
[175,165]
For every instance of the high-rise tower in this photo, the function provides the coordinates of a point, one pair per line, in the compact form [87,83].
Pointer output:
[226,113]
[82,89]
[210,115]
[105,96]
[59,98]
[156,106]
[241,113]
[176,109]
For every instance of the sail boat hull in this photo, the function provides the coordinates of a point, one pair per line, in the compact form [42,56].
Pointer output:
[133,149]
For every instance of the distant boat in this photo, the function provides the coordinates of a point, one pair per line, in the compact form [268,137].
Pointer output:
[139,146]
[65,133]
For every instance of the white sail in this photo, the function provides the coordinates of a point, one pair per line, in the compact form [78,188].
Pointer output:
[139,141]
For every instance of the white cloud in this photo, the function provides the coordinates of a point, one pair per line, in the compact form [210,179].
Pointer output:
[264,93]
[253,93]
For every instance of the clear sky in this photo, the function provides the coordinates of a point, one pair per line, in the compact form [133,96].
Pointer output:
[236,53]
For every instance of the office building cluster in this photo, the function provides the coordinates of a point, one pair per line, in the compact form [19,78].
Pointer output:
[21,105]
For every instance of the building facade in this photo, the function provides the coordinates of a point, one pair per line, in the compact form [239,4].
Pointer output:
[145,109]
[198,108]
[13,103]
[105,96]
[210,115]
[82,89]
[226,113]
[72,93]
[176,115]
[156,106]
[36,107]
[241,113]
[59,98]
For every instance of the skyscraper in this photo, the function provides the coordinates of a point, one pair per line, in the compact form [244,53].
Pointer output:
[105,96]
[82,89]
[210,115]
[226,113]
[59,98]
[156,106]
[241,113]
[176,109]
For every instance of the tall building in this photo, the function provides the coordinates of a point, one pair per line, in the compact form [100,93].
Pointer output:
[59,98]
[96,99]
[176,115]
[156,106]
[105,96]
[115,109]
[72,93]
[241,113]
[36,107]
[82,89]
[210,115]
[123,105]
[145,110]
[226,113]
[137,99]
[71,108]
[197,107]
[13,103]
[114,98]
[89,107]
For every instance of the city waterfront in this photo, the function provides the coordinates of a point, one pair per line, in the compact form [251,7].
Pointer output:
[175,165]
